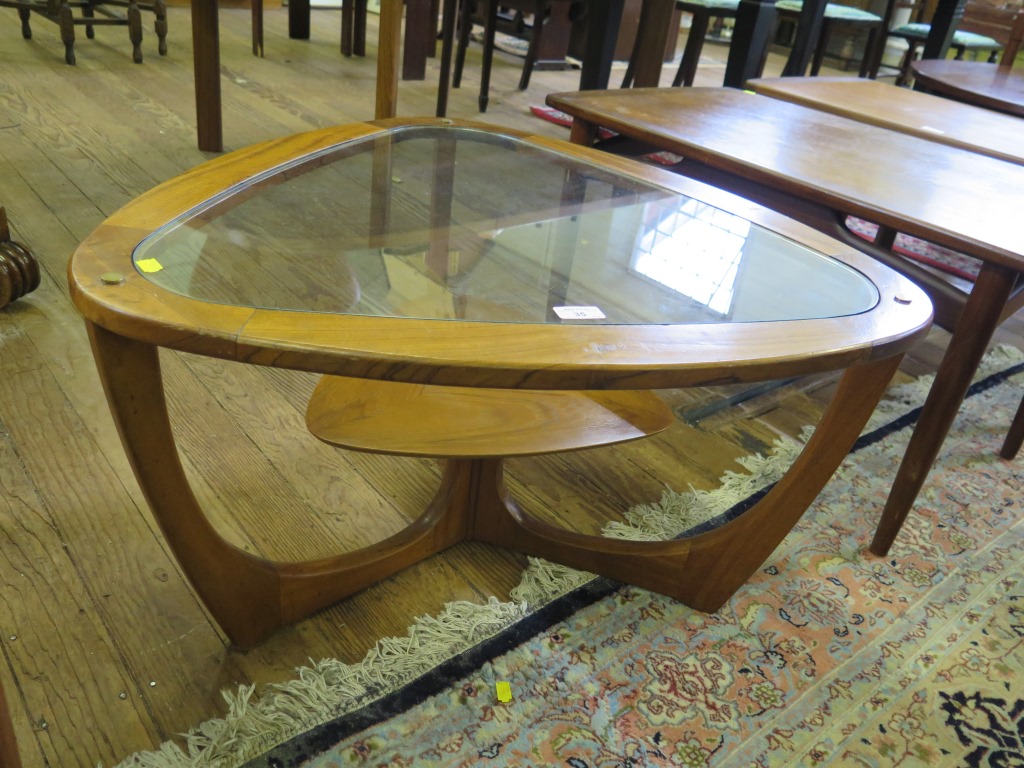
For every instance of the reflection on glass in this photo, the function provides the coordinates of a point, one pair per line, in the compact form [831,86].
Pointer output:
[695,250]
[451,223]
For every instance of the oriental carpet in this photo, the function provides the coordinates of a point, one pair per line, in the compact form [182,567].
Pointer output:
[828,656]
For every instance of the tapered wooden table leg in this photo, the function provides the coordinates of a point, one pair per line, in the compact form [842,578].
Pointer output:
[970,340]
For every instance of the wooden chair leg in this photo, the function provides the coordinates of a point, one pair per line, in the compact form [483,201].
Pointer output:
[819,49]
[26,28]
[135,30]
[66,21]
[540,12]
[257,28]
[465,28]
[347,16]
[359,28]
[908,58]
[876,42]
[89,13]
[160,24]
[449,12]
[490,27]
[691,52]
[1015,437]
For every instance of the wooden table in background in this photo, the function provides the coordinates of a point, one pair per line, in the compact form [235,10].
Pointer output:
[906,111]
[821,168]
[973,82]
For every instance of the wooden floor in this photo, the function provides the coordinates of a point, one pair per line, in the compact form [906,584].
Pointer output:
[105,649]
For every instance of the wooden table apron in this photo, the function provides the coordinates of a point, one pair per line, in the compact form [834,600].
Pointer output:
[706,126]
[250,597]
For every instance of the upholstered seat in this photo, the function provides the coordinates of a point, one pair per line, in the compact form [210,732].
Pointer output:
[916,33]
[839,15]
[836,14]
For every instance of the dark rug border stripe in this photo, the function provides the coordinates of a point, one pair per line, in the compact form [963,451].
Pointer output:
[321,738]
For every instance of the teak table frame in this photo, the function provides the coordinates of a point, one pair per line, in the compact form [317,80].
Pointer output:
[131,318]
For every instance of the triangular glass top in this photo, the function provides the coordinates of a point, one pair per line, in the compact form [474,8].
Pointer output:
[463,224]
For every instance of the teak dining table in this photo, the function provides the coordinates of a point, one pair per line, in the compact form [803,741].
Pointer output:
[821,168]
[979,83]
[905,111]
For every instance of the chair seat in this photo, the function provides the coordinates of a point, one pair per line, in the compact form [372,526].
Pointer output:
[713,6]
[919,31]
[833,11]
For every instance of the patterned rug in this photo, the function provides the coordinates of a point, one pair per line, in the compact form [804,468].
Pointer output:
[828,656]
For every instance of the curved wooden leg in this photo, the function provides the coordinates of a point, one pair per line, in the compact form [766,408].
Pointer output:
[966,347]
[248,596]
[705,570]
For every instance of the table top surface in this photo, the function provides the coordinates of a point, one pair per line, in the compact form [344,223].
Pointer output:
[429,230]
[904,110]
[974,82]
[937,192]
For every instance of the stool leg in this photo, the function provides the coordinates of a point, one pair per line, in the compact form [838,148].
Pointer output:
[691,53]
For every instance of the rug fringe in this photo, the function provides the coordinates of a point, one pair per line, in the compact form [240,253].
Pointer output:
[330,688]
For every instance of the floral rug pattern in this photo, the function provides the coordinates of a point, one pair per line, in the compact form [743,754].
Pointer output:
[828,656]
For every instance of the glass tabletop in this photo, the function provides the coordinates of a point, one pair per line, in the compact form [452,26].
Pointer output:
[457,223]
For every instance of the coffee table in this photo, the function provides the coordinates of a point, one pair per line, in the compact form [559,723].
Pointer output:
[472,294]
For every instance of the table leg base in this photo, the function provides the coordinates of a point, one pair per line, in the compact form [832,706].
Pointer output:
[251,597]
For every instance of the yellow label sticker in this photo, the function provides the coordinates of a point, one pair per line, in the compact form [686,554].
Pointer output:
[149,265]
[504,691]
